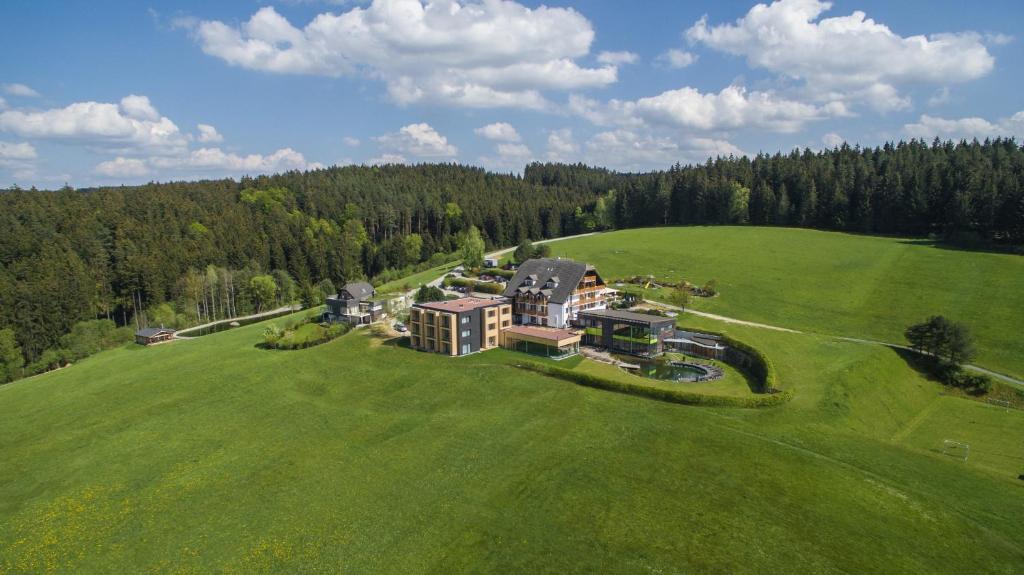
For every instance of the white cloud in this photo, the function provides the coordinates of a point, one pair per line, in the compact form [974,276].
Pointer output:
[16,152]
[218,160]
[387,159]
[20,90]
[498,132]
[677,58]
[207,161]
[617,58]
[474,54]
[510,157]
[688,108]
[350,141]
[133,124]
[629,150]
[832,140]
[208,134]
[851,55]
[998,38]
[3,104]
[929,127]
[123,168]
[418,140]
[561,146]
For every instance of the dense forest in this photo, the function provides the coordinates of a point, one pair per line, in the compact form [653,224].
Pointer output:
[181,253]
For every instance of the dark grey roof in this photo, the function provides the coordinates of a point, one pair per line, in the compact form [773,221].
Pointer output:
[358,290]
[570,273]
[151,331]
[626,316]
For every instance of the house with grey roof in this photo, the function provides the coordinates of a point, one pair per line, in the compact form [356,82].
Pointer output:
[354,304]
[551,291]
[153,335]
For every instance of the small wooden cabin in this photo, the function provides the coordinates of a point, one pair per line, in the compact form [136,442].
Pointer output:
[151,335]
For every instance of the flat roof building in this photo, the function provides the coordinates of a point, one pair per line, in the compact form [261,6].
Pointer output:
[460,326]
[626,331]
[547,341]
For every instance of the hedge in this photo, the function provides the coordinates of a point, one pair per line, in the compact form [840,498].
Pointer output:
[658,393]
[761,366]
[331,333]
[483,287]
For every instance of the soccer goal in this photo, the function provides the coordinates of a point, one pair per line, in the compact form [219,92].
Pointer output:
[999,403]
[957,449]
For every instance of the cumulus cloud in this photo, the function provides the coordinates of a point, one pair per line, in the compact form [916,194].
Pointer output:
[16,152]
[208,134]
[20,90]
[677,58]
[209,161]
[688,108]
[617,58]
[417,140]
[498,132]
[629,150]
[509,157]
[133,123]
[561,146]
[384,159]
[832,140]
[852,55]
[929,127]
[487,54]
[350,141]
[3,104]
[123,168]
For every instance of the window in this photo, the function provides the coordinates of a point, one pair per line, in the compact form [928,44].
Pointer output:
[491,341]
[490,313]
[466,333]
[492,326]
[505,323]
[466,348]
[465,320]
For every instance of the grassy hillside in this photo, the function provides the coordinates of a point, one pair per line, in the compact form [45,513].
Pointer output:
[360,456]
[828,282]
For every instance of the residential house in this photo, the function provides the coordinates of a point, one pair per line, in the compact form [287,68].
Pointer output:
[354,304]
[459,327]
[552,291]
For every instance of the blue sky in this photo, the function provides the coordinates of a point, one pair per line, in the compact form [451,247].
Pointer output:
[127,92]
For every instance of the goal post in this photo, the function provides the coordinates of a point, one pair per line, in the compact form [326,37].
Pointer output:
[957,449]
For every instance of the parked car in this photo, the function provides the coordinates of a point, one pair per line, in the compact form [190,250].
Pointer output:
[400,327]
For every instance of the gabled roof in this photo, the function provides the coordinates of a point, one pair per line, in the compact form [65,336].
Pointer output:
[568,274]
[152,331]
[358,290]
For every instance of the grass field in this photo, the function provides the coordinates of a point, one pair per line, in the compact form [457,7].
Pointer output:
[361,456]
[827,282]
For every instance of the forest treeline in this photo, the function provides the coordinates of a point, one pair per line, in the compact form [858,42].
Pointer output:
[183,252]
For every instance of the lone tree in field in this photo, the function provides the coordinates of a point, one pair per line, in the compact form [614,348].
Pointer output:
[947,341]
[523,252]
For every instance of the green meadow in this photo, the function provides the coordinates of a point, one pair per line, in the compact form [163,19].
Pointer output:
[360,455]
[828,282]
